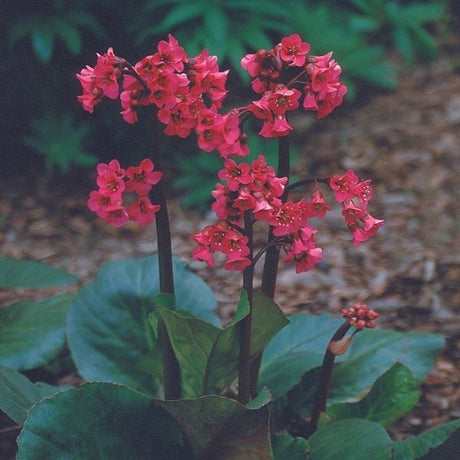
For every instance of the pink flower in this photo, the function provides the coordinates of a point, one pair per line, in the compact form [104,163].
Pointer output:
[288,218]
[111,184]
[170,54]
[344,186]
[117,216]
[143,211]
[141,178]
[100,203]
[317,207]
[293,50]
[369,227]
[235,174]
[283,99]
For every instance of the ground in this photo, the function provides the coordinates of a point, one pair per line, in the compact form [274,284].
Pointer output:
[406,141]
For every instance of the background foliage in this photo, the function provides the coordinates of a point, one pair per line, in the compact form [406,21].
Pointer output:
[43,48]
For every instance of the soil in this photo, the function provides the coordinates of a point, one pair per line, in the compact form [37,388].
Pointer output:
[407,142]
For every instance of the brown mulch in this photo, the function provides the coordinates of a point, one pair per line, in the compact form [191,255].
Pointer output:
[408,142]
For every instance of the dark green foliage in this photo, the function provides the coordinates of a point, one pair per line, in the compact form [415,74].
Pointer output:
[60,141]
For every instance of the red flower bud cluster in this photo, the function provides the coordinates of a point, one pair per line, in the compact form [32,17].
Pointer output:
[355,196]
[113,181]
[360,316]
[278,71]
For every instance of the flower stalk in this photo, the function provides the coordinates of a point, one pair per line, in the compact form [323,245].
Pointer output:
[270,271]
[324,382]
[171,369]
[244,366]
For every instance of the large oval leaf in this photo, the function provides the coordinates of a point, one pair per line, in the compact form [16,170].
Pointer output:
[15,273]
[100,421]
[108,327]
[297,348]
[393,394]
[18,394]
[352,439]
[372,352]
[33,333]
[221,428]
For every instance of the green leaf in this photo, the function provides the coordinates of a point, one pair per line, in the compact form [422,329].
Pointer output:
[221,428]
[352,439]
[286,447]
[216,27]
[183,13]
[43,43]
[208,356]
[404,44]
[374,351]
[16,273]
[192,340]
[393,394]
[68,34]
[108,328]
[262,398]
[33,333]
[300,346]
[418,446]
[267,320]
[100,421]
[18,394]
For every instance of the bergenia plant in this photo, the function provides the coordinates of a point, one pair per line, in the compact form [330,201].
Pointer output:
[163,379]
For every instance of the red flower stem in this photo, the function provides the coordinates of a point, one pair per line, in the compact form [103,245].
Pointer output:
[270,272]
[244,365]
[171,370]
[325,379]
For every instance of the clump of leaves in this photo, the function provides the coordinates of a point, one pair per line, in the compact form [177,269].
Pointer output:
[44,28]
[60,141]
[225,27]
[403,23]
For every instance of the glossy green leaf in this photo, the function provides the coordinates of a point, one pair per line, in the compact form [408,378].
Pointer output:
[18,394]
[208,356]
[372,352]
[352,439]
[422,444]
[16,273]
[100,421]
[108,328]
[222,428]
[298,347]
[287,447]
[192,340]
[33,333]
[290,360]
[393,394]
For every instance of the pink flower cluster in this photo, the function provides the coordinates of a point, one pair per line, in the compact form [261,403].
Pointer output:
[254,187]
[113,181]
[100,81]
[276,73]
[186,91]
[354,196]
[360,316]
